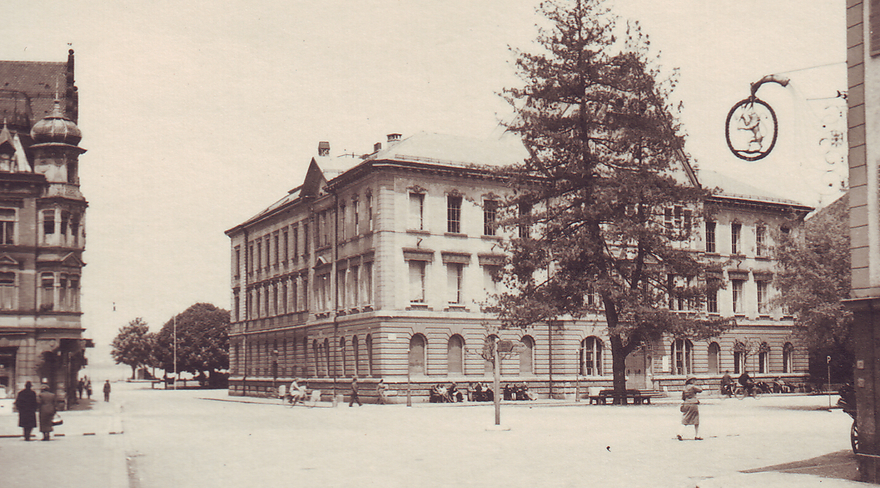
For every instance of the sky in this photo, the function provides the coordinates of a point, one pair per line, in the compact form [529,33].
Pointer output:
[197,115]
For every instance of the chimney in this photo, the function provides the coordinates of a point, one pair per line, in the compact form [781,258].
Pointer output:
[393,139]
[377,147]
[323,148]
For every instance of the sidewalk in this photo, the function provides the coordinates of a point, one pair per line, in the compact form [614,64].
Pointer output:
[88,450]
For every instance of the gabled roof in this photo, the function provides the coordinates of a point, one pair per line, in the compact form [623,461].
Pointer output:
[733,188]
[454,150]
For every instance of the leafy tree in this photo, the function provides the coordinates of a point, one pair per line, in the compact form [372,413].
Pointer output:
[813,278]
[602,173]
[202,340]
[134,345]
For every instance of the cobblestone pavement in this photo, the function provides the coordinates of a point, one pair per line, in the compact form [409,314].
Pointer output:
[154,438]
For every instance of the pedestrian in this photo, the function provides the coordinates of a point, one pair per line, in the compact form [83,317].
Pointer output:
[106,390]
[354,392]
[89,388]
[381,392]
[80,386]
[26,404]
[46,401]
[690,408]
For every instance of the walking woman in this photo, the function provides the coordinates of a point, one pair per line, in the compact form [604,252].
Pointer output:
[690,408]
[47,410]
[26,404]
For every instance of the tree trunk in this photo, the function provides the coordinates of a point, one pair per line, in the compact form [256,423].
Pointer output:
[618,368]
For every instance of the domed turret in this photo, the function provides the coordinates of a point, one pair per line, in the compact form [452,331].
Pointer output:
[56,128]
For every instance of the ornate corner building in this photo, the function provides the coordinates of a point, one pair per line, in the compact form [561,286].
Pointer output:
[380,266]
[42,227]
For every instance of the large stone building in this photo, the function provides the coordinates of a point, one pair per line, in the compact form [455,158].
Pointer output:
[380,266]
[42,227]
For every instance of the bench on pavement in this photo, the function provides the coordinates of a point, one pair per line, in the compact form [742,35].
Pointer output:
[638,397]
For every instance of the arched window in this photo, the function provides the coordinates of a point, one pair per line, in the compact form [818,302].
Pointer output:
[417,354]
[591,357]
[526,356]
[342,353]
[317,355]
[327,363]
[305,356]
[488,365]
[764,359]
[454,356]
[682,355]
[714,358]
[355,350]
[369,344]
[787,355]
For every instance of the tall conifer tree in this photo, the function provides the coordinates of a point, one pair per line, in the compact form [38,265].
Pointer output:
[604,206]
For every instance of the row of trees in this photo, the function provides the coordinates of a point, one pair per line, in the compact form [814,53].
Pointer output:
[202,333]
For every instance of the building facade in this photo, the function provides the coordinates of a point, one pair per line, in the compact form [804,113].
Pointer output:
[381,267]
[42,228]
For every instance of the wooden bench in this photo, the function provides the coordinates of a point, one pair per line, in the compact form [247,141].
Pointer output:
[638,397]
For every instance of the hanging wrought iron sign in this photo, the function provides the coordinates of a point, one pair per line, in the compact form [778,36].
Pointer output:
[751,129]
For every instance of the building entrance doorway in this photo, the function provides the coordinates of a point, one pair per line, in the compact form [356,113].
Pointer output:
[7,371]
[636,369]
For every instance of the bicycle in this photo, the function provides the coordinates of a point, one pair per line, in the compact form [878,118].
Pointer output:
[741,392]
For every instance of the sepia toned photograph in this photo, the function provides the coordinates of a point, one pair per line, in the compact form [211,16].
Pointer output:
[520,243]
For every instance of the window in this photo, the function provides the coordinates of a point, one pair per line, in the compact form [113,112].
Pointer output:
[735,243]
[305,251]
[283,298]
[591,357]
[294,296]
[259,255]
[353,285]
[760,240]
[331,368]
[65,221]
[48,222]
[367,278]
[342,353]
[342,216]
[787,354]
[417,281]
[710,237]
[47,286]
[417,211]
[490,217]
[276,255]
[369,345]
[764,359]
[7,290]
[682,355]
[250,262]
[762,297]
[714,358]
[74,228]
[525,228]
[455,273]
[236,265]
[737,296]
[712,301]
[73,285]
[236,308]
[356,353]
[323,292]
[490,278]
[370,212]
[417,355]
[295,243]
[738,362]
[341,288]
[453,214]
[7,226]
[325,229]
[356,209]
[526,356]
[454,355]
[62,293]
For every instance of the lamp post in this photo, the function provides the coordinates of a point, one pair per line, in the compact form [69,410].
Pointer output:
[828,365]
[408,380]
[176,375]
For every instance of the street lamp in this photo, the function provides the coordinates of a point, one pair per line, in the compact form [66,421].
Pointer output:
[274,369]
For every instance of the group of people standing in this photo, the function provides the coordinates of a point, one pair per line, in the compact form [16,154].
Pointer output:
[29,403]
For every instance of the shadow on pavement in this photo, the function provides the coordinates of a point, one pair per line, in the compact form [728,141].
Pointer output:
[841,465]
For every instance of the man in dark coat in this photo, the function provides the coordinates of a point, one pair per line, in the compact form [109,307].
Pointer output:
[26,404]
[354,392]
[46,401]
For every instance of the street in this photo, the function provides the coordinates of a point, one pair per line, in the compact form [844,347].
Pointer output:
[190,438]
